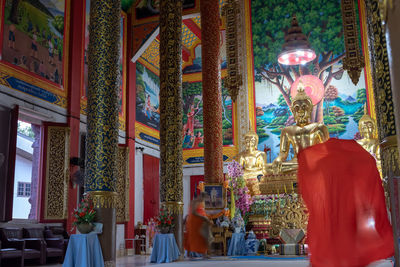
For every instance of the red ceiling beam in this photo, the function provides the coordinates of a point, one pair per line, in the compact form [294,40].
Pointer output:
[193,27]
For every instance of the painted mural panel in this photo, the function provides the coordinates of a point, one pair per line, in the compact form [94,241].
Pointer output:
[195,65]
[147,97]
[33,37]
[193,116]
[337,101]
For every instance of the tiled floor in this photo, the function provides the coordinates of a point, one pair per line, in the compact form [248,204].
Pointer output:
[217,261]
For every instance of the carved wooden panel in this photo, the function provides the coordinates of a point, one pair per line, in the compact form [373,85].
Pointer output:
[122,185]
[57,173]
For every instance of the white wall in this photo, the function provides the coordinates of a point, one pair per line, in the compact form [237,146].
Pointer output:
[23,172]
[120,239]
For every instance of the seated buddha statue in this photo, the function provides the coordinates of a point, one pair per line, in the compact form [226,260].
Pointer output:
[368,141]
[253,162]
[301,135]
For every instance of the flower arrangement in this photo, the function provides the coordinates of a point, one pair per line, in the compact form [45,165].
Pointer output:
[237,183]
[151,230]
[164,221]
[85,212]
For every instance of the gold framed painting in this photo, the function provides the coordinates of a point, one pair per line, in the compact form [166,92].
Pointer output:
[216,196]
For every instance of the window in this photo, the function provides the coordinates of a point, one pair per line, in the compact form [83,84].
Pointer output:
[24,189]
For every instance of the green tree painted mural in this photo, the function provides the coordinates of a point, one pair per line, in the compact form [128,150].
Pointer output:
[320,20]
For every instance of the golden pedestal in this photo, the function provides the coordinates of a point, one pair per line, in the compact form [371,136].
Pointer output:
[278,183]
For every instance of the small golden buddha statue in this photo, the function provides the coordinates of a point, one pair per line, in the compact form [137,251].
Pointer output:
[368,141]
[301,135]
[253,162]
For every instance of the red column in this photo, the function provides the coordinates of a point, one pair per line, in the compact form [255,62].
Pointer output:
[130,132]
[212,99]
[74,88]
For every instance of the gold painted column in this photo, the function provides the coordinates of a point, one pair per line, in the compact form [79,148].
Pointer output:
[385,115]
[171,189]
[102,118]
[212,95]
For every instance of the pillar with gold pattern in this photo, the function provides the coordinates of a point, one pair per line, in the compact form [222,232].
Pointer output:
[171,190]
[102,118]
[384,112]
[212,98]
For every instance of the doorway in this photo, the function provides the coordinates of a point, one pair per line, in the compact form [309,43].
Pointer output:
[27,162]
[151,187]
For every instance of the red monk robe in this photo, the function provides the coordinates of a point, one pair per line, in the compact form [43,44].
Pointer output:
[348,224]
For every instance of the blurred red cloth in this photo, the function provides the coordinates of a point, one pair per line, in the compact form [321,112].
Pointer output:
[348,224]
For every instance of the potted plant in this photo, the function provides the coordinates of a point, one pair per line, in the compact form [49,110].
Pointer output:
[164,221]
[84,215]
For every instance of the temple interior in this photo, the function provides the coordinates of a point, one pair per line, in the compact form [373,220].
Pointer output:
[122,122]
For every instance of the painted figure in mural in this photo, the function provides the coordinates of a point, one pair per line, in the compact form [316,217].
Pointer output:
[368,140]
[254,162]
[199,139]
[188,139]
[301,135]
[190,117]
[148,108]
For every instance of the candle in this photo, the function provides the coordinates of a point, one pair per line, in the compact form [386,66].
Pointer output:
[292,187]
[284,186]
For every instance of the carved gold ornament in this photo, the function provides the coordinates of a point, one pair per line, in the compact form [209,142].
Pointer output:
[122,185]
[57,172]
[354,60]
[293,215]
[103,199]
[234,79]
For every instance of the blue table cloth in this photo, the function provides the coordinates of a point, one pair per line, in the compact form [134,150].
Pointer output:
[84,250]
[237,245]
[165,249]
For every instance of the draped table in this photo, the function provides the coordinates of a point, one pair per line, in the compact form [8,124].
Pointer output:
[237,245]
[165,249]
[83,250]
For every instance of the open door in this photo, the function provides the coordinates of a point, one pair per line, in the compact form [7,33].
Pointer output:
[151,187]
[8,137]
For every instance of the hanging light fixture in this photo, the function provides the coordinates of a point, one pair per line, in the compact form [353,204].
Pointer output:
[296,50]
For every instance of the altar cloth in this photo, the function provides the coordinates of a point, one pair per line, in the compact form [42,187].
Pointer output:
[84,250]
[165,249]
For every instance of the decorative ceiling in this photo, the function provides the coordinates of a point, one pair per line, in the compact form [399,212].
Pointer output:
[191,38]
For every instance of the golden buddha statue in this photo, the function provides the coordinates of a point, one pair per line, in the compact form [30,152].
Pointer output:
[253,162]
[368,140]
[301,135]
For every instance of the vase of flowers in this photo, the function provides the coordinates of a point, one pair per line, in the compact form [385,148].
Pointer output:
[84,215]
[164,221]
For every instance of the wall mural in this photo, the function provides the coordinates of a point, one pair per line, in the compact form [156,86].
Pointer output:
[193,116]
[33,37]
[196,64]
[147,97]
[337,101]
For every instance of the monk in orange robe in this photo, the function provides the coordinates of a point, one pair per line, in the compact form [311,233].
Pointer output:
[196,226]
[348,224]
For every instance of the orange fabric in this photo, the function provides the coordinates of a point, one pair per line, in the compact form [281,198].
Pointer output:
[194,241]
[348,223]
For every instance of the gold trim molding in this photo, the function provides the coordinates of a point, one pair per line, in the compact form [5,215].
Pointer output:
[174,207]
[103,199]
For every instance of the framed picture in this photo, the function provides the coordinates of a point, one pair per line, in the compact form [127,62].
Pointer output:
[216,195]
